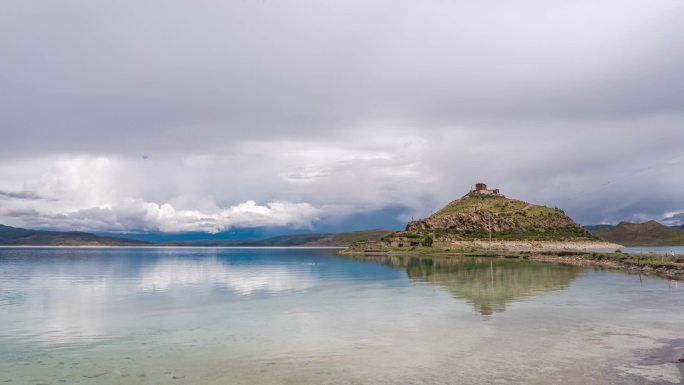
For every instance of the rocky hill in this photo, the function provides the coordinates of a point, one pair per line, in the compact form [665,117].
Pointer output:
[649,233]
[472,216]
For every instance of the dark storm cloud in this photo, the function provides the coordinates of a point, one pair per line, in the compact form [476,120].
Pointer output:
[121,75]
[349,106]
[674,219]
[19,195]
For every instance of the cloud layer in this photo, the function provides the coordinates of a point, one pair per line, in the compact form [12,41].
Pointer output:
[170,116]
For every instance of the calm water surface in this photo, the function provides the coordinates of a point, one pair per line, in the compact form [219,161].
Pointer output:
[678,250]
[307,316]
[654,249]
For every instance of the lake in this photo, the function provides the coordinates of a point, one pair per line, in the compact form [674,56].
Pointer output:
[308,316]
[662,250]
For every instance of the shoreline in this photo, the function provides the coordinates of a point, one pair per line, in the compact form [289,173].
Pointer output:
[667,267]
[531,246]
[662,271]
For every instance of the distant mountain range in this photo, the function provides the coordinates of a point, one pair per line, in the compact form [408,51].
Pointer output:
[14,236]
[649,233]
[595,228]
[313,239]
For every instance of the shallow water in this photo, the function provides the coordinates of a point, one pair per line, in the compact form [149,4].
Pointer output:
[661,250]
[308,316]
[655,249]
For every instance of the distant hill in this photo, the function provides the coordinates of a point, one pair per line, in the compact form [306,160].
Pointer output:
[346,239]
[594,228]
[340,239]
[15,236]
[281,240]
[649,233]
[470,217]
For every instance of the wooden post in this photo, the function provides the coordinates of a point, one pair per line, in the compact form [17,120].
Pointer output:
[490,233]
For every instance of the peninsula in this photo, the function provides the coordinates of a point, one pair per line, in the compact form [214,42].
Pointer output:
[484,222]
[485,218]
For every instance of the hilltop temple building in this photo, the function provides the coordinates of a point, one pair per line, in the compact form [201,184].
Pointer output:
[481,189]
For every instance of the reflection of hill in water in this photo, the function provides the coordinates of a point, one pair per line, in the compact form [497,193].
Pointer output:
[488,284]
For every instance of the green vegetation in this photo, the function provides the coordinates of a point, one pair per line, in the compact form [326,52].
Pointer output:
[669,265]
[427,240]
[497,205]
[646,263]
[650,233]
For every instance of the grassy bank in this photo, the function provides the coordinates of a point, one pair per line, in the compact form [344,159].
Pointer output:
[671,267]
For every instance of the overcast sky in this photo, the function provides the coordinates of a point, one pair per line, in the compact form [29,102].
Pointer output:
[209,115]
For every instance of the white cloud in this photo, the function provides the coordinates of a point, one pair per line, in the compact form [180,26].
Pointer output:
[247,214]
[299,183]
[138,215]
[83,193]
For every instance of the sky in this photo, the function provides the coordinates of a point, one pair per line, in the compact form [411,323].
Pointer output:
[209,116]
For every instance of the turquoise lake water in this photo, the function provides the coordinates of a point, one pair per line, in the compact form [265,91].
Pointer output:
[661,250]
[679,250]
[308,316]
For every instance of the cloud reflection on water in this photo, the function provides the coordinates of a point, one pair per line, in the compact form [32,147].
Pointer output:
[245,280]
[82,300]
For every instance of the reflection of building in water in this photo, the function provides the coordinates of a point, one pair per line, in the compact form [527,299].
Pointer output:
[488,284]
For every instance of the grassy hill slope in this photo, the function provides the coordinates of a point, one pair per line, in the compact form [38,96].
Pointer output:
[471,216]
